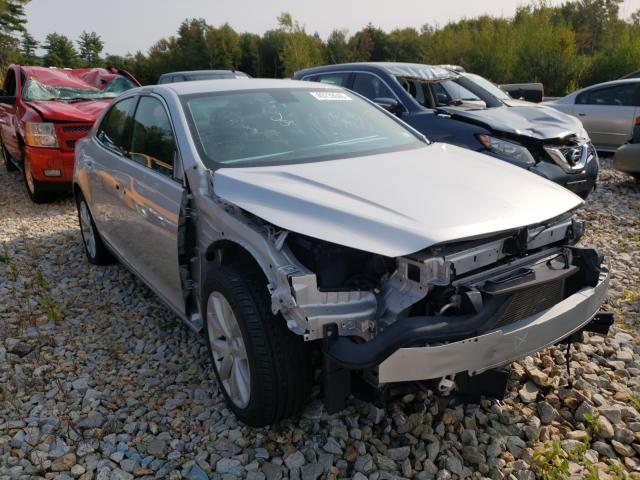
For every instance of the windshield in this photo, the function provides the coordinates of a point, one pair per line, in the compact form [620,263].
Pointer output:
[36,90]
[454,92]
[276,126]
[488,86]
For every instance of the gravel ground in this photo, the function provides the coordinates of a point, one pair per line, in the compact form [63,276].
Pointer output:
[98,380]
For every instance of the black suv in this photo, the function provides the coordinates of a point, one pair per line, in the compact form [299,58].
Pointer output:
[467,110]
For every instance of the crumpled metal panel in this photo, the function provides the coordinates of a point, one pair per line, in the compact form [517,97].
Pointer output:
[429,73]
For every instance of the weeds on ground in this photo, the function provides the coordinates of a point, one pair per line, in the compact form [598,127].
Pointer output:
[617,470]
[591,421]
[551,463]
[634,401]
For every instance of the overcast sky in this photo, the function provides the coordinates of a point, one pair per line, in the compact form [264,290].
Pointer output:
[131,25]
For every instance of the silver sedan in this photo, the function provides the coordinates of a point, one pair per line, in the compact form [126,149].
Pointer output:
[286,218]
[609,111]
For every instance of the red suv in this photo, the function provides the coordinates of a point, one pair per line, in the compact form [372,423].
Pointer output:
[44,111]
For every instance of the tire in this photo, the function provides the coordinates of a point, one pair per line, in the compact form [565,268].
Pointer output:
[262,349]
[8,161]
[94,247]
[37,191]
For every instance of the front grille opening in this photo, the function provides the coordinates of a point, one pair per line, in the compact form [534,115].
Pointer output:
[76,128]
[533,300]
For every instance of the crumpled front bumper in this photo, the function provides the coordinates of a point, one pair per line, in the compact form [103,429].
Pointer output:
[497,347]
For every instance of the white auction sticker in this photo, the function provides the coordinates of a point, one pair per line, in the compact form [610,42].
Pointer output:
[336,96]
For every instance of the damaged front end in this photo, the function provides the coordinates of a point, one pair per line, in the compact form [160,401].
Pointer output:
[463,307]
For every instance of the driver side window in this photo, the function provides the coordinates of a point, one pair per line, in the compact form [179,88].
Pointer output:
[152,141]
[10,84]
[114,130]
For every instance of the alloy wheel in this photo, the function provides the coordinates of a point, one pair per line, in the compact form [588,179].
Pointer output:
[229,351]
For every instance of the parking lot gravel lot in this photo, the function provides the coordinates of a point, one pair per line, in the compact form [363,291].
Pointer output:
[99,380]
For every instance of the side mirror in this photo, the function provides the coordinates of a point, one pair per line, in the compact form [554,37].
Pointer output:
[389,104]
[7,100]
[442,99]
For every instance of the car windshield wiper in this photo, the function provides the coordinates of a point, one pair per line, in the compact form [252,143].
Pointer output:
[81,99]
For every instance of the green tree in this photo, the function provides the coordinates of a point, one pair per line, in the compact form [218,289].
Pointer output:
[403,45]
[250,54]
[271,44]
[91,46]
[337,47]
[591,21]
[60,51]
[299,49]
[12,21]
[223,44]
[192,48]
[28,47]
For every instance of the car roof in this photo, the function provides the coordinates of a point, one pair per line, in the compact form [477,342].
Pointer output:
[202,72]
[603,84]
[634,74]
[411,70]
[236,84]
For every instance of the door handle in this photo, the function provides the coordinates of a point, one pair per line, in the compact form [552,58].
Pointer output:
[582,114]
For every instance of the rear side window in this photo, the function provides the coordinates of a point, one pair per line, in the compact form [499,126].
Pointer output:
[152,141]
[339,79]
[115,128]
[624,95]
[371,87]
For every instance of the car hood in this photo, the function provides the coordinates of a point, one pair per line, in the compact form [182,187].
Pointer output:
[522,118]
[87,111]
[397,203]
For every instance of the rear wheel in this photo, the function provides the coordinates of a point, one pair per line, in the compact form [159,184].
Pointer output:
[38,192]
[261,366]
[94,247]
[8,161]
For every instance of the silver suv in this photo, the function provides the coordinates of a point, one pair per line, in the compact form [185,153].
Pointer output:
[285,217]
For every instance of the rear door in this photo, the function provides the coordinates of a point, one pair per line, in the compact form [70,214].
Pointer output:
[148,198]
[609,113]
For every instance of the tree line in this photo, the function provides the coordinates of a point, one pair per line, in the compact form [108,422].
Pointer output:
[578,43]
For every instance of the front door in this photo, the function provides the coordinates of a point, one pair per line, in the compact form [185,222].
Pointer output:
[8,120]
[149,198]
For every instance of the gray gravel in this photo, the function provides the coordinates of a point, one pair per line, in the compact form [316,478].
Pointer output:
[98,380]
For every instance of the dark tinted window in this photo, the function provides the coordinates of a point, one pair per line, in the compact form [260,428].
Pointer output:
[623,95]
[10,83]
[115,127]
[371,86]
[339,79]
[152,141]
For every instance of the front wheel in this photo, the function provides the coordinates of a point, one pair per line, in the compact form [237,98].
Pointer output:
[261,366]
[38,192]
